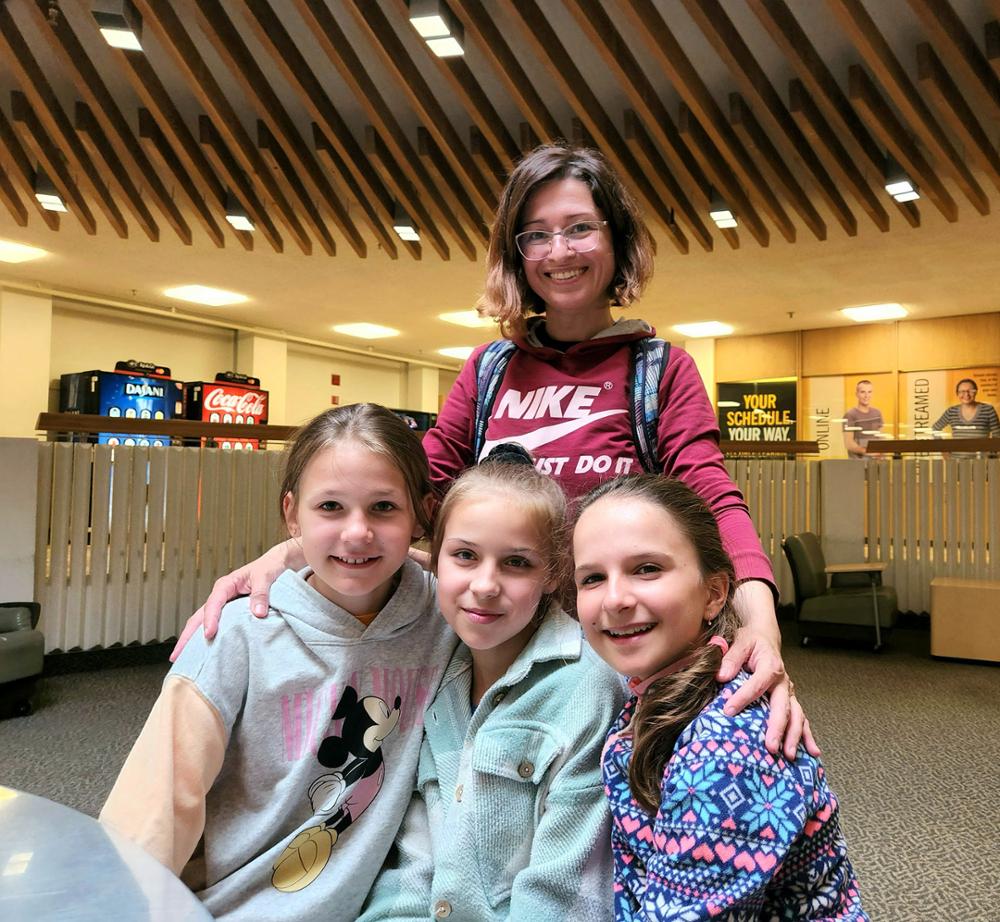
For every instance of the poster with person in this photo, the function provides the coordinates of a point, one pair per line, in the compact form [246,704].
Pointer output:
[926,396]
[843,413]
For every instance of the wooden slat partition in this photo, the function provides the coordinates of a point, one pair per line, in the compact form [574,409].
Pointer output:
[130,540]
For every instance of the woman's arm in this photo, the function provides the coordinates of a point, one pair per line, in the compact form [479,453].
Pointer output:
[688,437]
[158,800]
[253,579]
[945,419]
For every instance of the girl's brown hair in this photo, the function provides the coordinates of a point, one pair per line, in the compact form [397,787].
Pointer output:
[380,431]
[507,296]
[538,497]
[671,703]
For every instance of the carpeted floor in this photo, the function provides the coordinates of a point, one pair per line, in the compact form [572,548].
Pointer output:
[912,746]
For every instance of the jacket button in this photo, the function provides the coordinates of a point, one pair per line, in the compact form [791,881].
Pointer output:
[458,793]
[498,697]
[442,909]
[526,769]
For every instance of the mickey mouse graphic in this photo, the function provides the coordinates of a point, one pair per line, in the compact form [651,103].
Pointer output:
[342,794]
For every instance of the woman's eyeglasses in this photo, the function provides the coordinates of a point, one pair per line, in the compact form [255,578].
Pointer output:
[581,237]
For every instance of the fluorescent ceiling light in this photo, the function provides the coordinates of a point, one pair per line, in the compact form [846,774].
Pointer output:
[406,232]
[403,224]
[467,319]
[203,294]
[240,222]
[446,47]
[871,312]
[51,202]
[431,25]
[708,328]
[125,39]
[11,252]
[365,330]
[898,188]
[457,352]
[910,196]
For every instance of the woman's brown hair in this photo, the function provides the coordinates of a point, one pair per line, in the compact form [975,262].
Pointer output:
[380,431]
[507,296]
[672,702]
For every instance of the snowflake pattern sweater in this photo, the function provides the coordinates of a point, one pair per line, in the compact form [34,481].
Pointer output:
[739,835]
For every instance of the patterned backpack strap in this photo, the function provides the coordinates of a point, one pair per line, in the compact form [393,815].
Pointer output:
[649,358]
[490,368]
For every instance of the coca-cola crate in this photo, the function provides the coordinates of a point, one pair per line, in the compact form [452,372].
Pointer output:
[230,398]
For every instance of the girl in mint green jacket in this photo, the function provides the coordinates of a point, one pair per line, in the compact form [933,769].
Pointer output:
[508,819]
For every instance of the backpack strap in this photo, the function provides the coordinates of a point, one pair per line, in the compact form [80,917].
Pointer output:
[490,368]
[649,359]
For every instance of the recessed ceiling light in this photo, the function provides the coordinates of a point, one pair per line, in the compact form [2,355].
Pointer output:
[11,252]
[365,330]
[449,47]
[872,312]
[708,328]
[457,352]
[125,39]
[203,294]
[467,319]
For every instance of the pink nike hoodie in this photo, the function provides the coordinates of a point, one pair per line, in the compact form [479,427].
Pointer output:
[571,411]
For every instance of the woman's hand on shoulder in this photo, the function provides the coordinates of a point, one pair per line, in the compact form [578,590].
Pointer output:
[757,648]
[253,579]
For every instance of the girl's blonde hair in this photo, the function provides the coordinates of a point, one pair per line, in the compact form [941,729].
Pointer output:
[507,296]
[671,703]
[533,494]
[380,431]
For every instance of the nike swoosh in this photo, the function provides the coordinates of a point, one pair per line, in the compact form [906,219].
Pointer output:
[545,434]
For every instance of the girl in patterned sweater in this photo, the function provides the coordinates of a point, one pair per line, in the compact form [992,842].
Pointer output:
[706,824]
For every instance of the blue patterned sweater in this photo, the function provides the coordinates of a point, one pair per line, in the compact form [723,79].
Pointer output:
[739,834]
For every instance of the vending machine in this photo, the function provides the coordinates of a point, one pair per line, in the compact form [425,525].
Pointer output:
[134,390]
[230,398]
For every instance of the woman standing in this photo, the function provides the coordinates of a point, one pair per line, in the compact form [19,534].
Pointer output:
[567,245]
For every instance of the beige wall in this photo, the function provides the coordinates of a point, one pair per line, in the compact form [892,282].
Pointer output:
[309,388]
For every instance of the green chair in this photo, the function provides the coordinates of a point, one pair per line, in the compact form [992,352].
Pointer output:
[853,606]
[22,652]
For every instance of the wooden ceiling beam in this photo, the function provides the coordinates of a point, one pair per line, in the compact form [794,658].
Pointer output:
[867,38]
[725,38]
[817,130]
[330,157]
[651,160]
[959,49]
[120,143]
[16,170]
[687,189]
[717,169]
[991,33]
[341,152]
[691,88]
[240,184]
[824,90]
[49,117]
[405,168]
[490,41]
[893,134]
[465,86]
[162,18]
[952,107]
[427,148]
[287,174]
[754,138]
[100,150]
[482,150]
[309,181]
[158,148]
[484,187]
[43,151]
[404,193]
[565,75]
